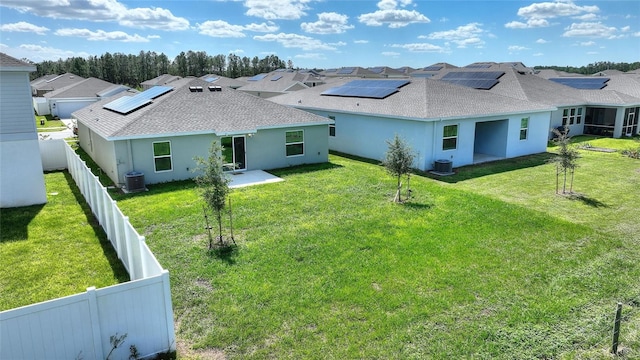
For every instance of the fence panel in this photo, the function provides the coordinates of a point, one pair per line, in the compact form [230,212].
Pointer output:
[53,154]
[79,326]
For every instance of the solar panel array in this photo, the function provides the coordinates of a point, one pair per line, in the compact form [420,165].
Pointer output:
[276,77]
[478,66]
[592,83]
[482,80]
[373,89]
[346,71]
[127,104]
[376,70]
[433,68]
[257,77]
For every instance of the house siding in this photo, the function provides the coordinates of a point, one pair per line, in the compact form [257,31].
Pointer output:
[21,175]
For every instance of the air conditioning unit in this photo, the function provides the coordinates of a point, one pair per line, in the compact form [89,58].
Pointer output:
[443,166]
[134,181]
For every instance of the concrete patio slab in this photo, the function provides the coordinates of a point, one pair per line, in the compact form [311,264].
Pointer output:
[252,177]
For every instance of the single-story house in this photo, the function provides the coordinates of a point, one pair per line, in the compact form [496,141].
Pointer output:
[223,81]
[442,122]
[281,81]
[63,101]
[159,131]
[163,79]
[47,83]
[21,175]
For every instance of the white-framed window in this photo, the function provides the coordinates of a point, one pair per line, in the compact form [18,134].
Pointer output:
[162,156]
[571,116]
[450,137]
[294,143]
[524,128]
[332,127]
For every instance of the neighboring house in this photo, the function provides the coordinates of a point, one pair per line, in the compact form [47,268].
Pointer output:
[21,175]
[280,82]
[47,83]
[355,71]
[159,132]
[223,81]
[62,102]
[440,121]
[431,70]
[159,80]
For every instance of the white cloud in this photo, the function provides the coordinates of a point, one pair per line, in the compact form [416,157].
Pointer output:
[360,41]
[312,56]
[390,53]
[636,34]
[625,29]
[391,15]
[101,35]
[463,36]
[517,48]
[541,41]
[24,27]
[222,29]
[339,43]
[595,30]
[101,11]
[38,53]
[536,14]
[593,53]
[277,9]
[530,24]
[587,43]
[420,47]
[295,41]
[328,23]
[548,10]
[219,28]
[587,17]
[538,54]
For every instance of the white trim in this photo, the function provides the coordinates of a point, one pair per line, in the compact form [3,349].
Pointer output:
[170,156]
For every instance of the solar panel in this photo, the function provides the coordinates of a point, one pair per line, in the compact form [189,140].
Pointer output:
[595,83]
[433,68]
[478,66]
[127,104]
[422,75]
[331,70]
[346,71]
[491,75]
[257,77]
[377,70]
[276,77]
[481,84]
[211,79]
[374,89]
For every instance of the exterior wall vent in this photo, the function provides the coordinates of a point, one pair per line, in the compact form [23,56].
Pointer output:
[215,88]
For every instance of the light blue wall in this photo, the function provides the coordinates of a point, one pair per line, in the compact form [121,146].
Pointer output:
[264,150]
[556,121]
[366,136]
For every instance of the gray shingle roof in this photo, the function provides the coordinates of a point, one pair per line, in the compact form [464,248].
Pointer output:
[182,112]
[423,99]
[86,88]
[8,63]
[57,82]
[160,80]
[286,81]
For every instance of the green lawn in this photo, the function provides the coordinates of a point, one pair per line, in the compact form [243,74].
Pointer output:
[54,250]
[49,124]
[489,263]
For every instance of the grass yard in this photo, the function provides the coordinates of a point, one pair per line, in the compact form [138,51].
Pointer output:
[475,266]
[54,250]
[49,124]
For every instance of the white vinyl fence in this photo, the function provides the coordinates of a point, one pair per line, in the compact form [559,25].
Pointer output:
[79,326]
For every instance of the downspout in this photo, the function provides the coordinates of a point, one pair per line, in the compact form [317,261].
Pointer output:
[130,154]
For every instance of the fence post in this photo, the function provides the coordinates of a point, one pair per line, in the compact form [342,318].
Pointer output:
[171,334]
[94,318]
[616,330]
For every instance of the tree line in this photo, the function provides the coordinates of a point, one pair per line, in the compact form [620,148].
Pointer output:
[595,67]
[131,70]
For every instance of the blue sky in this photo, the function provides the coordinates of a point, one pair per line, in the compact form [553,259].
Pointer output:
[329,33]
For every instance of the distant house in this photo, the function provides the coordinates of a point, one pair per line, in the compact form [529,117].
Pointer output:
[163,79]
[440,121]
[159,132]
[47,83]
[63,101]
[281,81]
[218,80]
[21,176]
